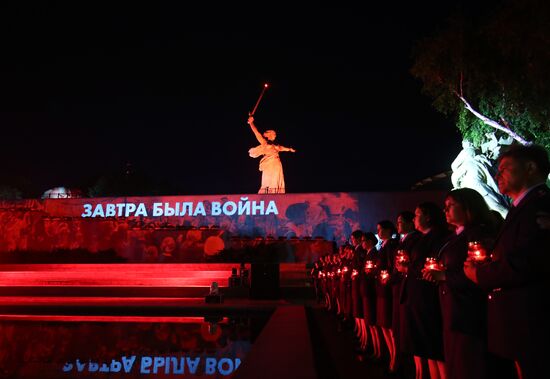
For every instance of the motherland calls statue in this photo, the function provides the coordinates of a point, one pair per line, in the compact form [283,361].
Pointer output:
[273,180]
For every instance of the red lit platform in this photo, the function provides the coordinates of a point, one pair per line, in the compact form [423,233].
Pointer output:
[128,280]
[115,275]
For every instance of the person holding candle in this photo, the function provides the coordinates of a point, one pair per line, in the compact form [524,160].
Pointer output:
[316,278]
[321,281]
[519,271]
[409,237]
[368,292]
[324,280]
[335,276]
[345,283]
[357,267]
[330,282]
[421,327]
[463,304]
[385,261]
[338,282]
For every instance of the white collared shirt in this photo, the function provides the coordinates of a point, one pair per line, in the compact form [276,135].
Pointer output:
[525,193]
[459,230]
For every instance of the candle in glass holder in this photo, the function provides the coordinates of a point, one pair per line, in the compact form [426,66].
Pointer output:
[432,264]
[354,273]
[345,269]
[369,266]
[402,257]
[339,271]
[476,251]
[384,275]
[321,274]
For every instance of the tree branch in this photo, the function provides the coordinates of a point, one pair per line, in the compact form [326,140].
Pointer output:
[461,82]
[487,121]
[506,123]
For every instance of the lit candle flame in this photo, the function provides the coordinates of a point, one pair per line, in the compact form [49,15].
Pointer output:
[369,265]
[402,256]
[476,251]
[432,264]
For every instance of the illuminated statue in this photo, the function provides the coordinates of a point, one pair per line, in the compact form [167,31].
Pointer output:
[471,170]
[492,146]
[273,180]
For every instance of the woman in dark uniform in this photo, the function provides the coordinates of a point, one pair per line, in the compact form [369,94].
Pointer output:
[349,299]
[345,282]
[335,283]
[368,292]
[421,327]
[463,304]
[314,273]
[340,290]
[330,282]
[324,280]
[357,265]
[386,255]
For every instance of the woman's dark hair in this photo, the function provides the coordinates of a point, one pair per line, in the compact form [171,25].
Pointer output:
[385,224]
[347,246]
[369,236]
[434,213]
[474,205]
[357,234]
[408,216]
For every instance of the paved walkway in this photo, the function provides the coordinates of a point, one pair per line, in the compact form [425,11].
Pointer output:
[334,350]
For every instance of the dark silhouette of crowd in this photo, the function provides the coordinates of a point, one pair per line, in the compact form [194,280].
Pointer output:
[452,291]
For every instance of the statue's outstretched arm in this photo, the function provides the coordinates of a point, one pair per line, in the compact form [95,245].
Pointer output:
[258,135]
[282,148]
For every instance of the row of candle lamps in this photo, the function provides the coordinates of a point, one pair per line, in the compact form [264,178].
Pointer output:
[476,253]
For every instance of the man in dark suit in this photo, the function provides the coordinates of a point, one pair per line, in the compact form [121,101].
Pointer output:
[518,276]
[409,237]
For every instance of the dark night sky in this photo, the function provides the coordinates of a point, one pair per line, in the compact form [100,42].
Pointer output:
[85,90]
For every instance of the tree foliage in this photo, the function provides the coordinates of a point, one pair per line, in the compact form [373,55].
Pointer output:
[499,62]
[125,182]
[132,181]
[10,193]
